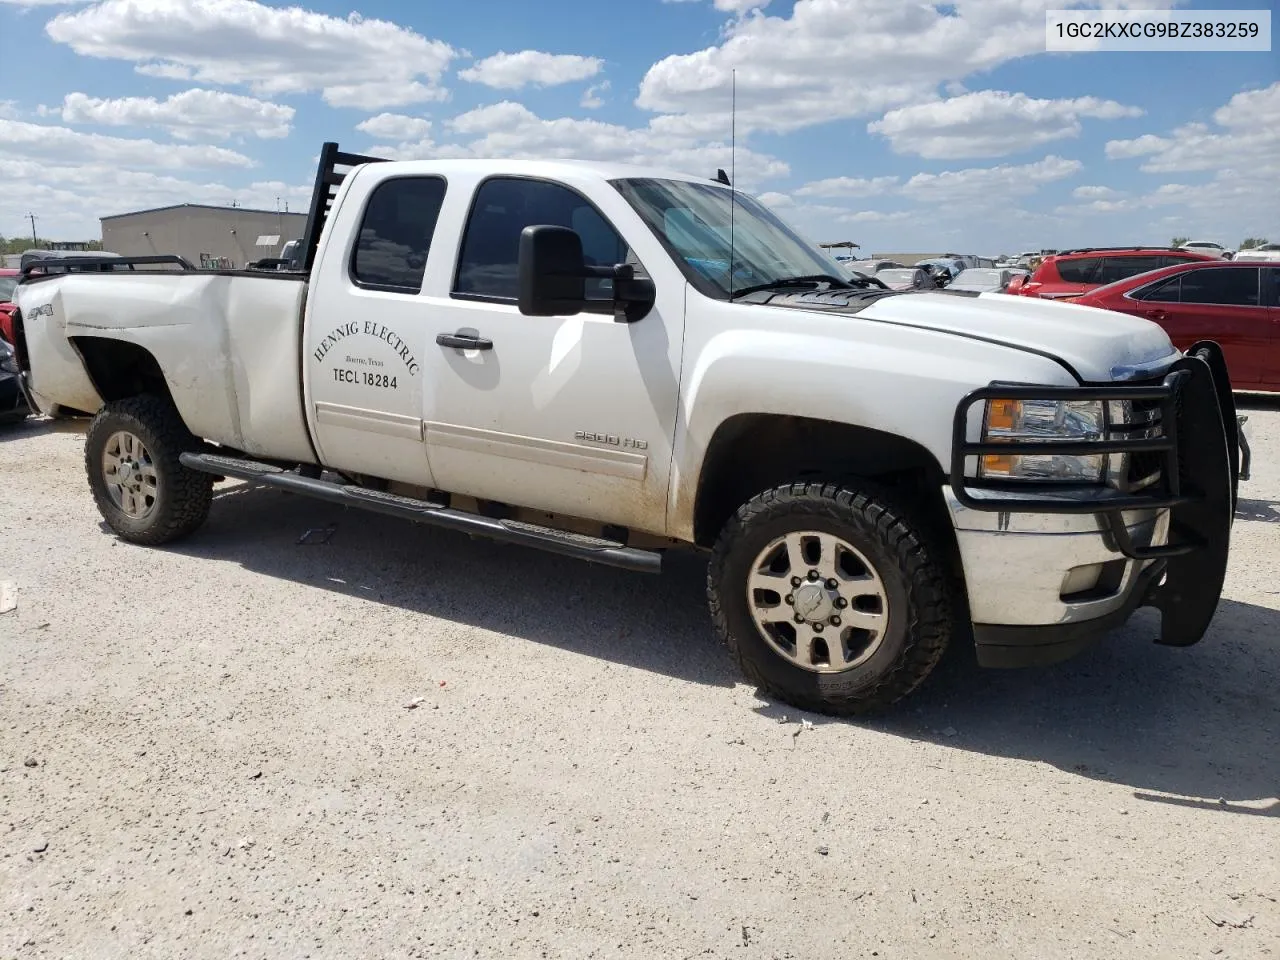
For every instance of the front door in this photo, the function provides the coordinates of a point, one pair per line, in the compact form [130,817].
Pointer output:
[574,415]
[1224,304]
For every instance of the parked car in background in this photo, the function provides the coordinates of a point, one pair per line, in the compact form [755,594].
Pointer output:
[13,403]
[1073,272]
[949,267]
[1267,252]
[1236,304]
[93,260]
[985,280]
[871,267]
[1208,248]
[906,278]
[8,280]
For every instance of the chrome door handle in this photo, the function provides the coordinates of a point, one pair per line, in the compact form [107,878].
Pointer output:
[464,341]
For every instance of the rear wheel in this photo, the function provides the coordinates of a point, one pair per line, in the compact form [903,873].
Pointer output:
[829,597]
[142,490]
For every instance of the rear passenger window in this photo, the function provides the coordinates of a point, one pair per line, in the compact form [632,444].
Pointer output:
[1231,286]
[395,234]
[1079,271]
[1122,268]
[503,207]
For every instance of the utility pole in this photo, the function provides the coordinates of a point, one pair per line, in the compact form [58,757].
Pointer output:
[35,241]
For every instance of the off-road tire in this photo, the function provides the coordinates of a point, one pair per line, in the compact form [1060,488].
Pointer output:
[911,567]
[183,496]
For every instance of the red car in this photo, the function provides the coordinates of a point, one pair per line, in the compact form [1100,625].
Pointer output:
[1073,272]
[8,281]
[1236,304]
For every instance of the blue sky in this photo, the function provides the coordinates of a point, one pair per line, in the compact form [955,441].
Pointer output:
[903,126]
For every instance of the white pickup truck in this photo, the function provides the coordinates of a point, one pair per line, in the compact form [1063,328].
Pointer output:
[609,362]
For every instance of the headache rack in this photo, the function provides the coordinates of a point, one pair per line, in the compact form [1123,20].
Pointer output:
[328,179]
[1177,458]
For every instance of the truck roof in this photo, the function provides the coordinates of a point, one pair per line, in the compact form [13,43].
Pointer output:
[545,168]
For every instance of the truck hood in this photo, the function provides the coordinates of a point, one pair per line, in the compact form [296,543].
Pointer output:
[1098,345]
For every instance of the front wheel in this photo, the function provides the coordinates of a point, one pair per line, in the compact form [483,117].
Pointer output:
[830,598]
[142,490]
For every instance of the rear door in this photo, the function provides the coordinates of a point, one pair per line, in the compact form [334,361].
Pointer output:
[366,335]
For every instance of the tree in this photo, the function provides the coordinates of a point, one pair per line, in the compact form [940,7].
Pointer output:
[1178,241]
[1248,243]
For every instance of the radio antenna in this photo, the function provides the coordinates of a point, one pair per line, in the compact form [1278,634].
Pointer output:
[733,170]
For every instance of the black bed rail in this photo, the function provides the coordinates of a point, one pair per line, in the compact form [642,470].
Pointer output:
[51,266]
[328,179]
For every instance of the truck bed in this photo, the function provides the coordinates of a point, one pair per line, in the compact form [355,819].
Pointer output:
[228,344]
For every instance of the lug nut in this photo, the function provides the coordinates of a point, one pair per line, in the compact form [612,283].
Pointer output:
[790,600]
[835,621]
[841,602]
[831,584]
[799,619]
[813,574]
[796,581]
[817,628]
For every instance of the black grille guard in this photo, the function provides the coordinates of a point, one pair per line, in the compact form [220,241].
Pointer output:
[1198,484]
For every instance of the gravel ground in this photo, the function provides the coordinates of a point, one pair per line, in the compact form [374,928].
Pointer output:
[205,751]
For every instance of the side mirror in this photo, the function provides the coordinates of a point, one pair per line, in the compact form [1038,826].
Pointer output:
[551,272]
[552,275]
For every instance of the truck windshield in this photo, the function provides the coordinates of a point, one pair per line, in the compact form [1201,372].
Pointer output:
[692,221]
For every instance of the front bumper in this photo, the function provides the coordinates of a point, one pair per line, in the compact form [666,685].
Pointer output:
[1048,571]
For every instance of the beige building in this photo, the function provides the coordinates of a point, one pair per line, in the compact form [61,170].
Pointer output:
[210,237]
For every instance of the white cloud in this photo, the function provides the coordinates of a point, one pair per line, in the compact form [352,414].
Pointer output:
[988,186]
[33,141]
[730,6]
[41,3]
[1095,193]
[510,129]
[69,198]
[354,62]
[395,127]
[848,187]
[1247,136]
[875,216]
[990,123]
[832,59]
[593,96]
[775,200]
[189,115]
[513,71]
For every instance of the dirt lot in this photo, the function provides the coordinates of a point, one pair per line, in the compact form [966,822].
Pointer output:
[205,751]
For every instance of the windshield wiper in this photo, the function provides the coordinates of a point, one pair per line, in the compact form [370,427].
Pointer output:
[815,278]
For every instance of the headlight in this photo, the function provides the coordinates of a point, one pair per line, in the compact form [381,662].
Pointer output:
[1046,421]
